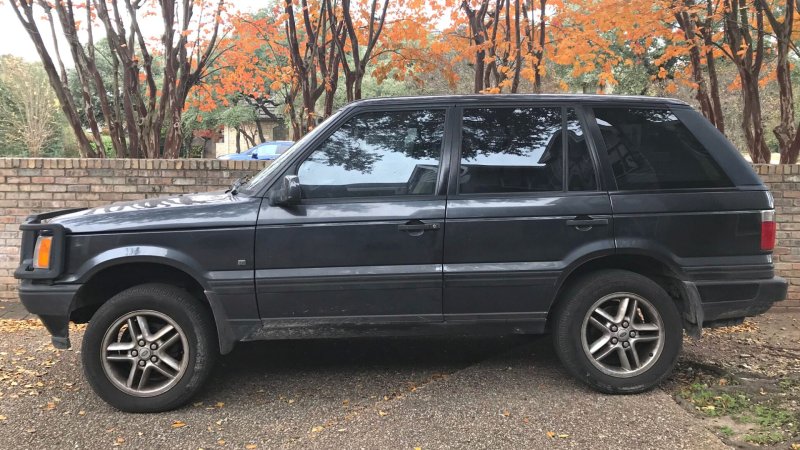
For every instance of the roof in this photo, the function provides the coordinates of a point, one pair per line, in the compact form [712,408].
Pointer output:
[515,98]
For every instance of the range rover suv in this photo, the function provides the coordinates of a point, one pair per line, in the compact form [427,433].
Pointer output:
[615,223]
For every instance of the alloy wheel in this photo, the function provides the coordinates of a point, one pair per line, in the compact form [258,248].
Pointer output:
[622,334]
[145,353]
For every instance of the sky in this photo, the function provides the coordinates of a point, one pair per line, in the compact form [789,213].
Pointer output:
[15,41]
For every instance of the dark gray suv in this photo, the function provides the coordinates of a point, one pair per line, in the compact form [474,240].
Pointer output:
[615,223]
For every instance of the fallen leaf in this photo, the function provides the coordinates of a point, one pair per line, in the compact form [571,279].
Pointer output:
[2,417]
[317,429]
[250,446]
[506,413]
[563,436]
[221,442]
[178,424]
[220,404]
[382,413]
[551,434]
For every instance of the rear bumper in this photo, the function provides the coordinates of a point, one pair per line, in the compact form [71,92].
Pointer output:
[740,298]
[53,305]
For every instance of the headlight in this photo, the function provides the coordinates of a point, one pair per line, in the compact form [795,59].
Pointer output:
[41,252]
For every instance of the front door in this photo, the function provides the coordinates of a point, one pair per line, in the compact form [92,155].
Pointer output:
[524,205]
[365,244]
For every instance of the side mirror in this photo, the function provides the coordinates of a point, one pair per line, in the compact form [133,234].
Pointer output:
[254,155]
[288,193]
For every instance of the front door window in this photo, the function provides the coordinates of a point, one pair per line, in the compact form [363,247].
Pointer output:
[377,154]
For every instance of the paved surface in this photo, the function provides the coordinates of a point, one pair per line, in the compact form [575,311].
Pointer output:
[14,310]
[376,393]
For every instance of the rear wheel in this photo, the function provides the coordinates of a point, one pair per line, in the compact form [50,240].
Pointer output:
[617,331]
[149,348]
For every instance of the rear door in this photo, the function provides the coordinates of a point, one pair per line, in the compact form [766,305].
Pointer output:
[524,204]
[365,243]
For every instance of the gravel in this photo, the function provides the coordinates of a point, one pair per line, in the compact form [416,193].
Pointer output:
[356,393]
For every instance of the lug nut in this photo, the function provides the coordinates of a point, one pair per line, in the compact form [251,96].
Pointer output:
[134,353]
[142,363]
[141,342]
[613,328]
[633,334]
[153,346]
[625,324]
[625,344]
[614,340]
[154,358]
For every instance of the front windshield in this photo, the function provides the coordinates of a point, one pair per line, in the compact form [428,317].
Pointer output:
[254,182]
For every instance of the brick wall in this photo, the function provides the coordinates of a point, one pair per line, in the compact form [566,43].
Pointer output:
[784,182]
[29,185]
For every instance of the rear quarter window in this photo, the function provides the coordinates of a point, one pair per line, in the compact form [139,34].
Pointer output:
[651,149]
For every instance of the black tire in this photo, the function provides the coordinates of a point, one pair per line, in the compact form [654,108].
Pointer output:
[568,327]
[191,317]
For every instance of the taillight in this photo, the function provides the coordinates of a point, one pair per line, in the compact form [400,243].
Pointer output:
[41,253]
[768,230]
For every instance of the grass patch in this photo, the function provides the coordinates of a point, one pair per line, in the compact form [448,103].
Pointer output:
[787,384]
[764,437]
[714,403]
[725,431]
[765,421]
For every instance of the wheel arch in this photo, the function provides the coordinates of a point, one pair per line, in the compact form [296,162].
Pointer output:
[661,270]
[119,274]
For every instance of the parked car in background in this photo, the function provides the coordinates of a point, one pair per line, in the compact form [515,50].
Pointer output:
[265,151]
[614,223]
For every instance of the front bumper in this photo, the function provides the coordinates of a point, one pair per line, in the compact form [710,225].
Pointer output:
[738,299]
[53,304]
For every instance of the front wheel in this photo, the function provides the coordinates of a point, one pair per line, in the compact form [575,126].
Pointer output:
[149,348]
[618,331]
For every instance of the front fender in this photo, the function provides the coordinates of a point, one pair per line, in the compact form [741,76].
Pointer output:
[138,254]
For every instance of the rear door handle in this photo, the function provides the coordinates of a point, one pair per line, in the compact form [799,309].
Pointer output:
[586,223]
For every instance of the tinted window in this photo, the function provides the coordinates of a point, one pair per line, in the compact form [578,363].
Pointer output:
[511,150]
[377,154]
[580,168]
[652,149]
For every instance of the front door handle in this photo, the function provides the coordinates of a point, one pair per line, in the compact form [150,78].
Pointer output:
[586,223]
[416,225]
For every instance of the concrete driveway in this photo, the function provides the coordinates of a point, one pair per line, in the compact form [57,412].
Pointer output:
[375,393]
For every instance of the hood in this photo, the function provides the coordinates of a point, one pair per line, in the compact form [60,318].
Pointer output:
[205,210]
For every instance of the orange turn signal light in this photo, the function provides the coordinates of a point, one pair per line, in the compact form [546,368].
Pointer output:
[41,253]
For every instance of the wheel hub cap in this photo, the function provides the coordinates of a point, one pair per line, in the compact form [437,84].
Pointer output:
[145,353]
[622,334]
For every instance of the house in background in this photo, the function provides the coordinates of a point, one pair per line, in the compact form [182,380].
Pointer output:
[273,128]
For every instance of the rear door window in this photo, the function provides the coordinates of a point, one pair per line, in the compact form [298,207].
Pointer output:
[522,149]
[506,150]
[581,174]
[650,149]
